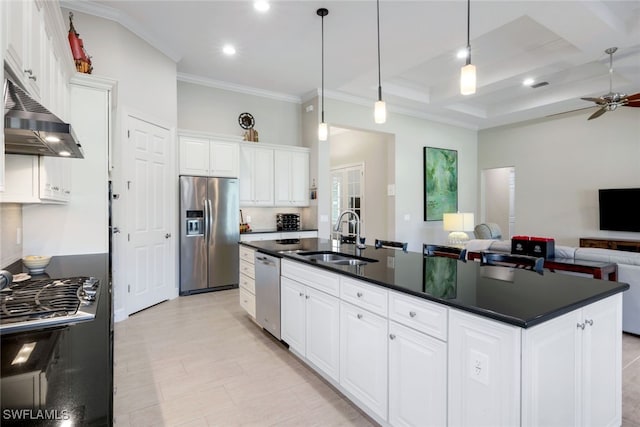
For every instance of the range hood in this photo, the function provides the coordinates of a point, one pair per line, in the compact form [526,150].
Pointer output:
[29,128]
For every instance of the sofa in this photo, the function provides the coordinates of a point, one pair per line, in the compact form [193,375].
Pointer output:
[628,272]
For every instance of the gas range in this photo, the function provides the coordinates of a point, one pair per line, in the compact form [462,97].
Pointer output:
[37,304]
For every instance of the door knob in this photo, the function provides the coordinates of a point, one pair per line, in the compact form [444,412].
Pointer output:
[166,236]
[116,230]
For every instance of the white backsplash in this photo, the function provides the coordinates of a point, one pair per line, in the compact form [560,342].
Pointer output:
[265,218]
[10,233]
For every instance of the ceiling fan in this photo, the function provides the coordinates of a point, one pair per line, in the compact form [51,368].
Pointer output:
[612,100]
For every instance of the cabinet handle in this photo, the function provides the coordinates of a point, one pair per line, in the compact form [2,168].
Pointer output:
[301,294]
[34,78]
[359,316]
[580,325]
[589,322]
[307,297]
[392,336]
[29,71]
[412,314]
[359,294]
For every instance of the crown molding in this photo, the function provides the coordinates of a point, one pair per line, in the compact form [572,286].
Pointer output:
[106,12]
[232,87]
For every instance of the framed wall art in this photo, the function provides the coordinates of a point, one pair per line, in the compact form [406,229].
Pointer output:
[440,182]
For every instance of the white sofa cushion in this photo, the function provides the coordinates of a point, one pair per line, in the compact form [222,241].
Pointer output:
[608,255]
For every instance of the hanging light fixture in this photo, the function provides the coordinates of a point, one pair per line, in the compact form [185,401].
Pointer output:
[323,130]
[380,108]
[468,72]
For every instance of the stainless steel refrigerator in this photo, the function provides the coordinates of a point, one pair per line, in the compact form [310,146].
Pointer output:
[209,234]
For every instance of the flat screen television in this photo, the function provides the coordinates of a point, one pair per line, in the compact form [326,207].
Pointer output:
[620,209]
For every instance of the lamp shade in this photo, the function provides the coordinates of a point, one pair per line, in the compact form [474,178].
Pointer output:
[468,79]
[323,131]
[458,221]
[380,112]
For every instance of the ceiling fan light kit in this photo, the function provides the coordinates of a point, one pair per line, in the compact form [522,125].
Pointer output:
[323,129]
[468,72]
[612,100]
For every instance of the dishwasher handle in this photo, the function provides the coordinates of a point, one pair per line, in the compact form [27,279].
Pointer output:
[265,260]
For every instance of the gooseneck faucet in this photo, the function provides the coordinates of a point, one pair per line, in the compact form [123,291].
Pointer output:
[336,228]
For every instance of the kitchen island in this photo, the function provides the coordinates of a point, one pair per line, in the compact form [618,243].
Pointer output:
[68,377]
[416,340]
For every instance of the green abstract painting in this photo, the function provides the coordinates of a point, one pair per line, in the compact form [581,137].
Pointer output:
[440,182]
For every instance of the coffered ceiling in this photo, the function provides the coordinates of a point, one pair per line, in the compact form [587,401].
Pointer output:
[278,52]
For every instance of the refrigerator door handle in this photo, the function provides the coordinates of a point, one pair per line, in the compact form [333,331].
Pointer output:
[210,219]
[206,220]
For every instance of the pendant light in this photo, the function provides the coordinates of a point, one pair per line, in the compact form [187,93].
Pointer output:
[323,130]
[380,108]
[468,72]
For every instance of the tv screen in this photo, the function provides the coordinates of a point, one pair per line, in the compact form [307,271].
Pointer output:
[620,209]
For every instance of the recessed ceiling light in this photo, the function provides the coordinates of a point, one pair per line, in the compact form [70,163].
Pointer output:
[229,50]
[261,5]
[52,138]
[64,153]
[528,82]
[462,53]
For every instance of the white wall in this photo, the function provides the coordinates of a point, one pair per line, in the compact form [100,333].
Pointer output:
[368,148]
[560,164]
[411,135]
[210,109]
[496,193]
[10,233]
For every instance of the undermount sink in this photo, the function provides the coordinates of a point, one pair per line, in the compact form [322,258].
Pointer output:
[336,258]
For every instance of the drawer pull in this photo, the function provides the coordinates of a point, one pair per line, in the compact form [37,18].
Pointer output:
[412,314]
[359,316]
[359,294]
[580,325]
[301,294]
[392,336]
[307,297]
[589,322]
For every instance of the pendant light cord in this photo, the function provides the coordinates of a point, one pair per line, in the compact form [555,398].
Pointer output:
[322,62]
[379,78]
[468,31]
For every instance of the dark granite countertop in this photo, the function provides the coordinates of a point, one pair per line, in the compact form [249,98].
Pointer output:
[73,363]
[273,230]
[518,297]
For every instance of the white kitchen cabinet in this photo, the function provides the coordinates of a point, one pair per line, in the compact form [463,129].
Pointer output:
[571,368]
[417,378]
[246,280]
[256,176]
[364,357]
[310,323]
[208,157]
[253,237]
[22,183]
[291,177]
[484,371]
[55,178]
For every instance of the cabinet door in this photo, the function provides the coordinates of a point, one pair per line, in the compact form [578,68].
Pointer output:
[263,177]
[21,179]
[292,314]
[55,178]
[247,160]
[35,42]
[299,189]
[601,363]
[363,357]
[223,159]
[323,332]
[194,156]
[14,23]
[417,378]
[282,178]
[484,371]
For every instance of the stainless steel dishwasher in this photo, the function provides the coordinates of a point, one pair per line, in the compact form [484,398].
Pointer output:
[268,292]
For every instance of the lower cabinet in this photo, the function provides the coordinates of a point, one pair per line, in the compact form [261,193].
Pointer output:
[363,357]
[246,280]
[310,322]
[417,378]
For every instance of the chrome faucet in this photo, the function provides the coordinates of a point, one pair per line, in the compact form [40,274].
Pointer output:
[336,228]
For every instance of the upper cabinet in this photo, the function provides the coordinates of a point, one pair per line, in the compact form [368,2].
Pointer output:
[208,157]
[256,175]
[291,177]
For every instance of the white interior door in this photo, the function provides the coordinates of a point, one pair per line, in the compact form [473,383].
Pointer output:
[149,269]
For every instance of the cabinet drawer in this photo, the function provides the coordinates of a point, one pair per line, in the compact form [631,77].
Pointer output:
[248,302]
[311,276]
[364,295]
[425,316]
[247,254]
[248,269]
[248,283]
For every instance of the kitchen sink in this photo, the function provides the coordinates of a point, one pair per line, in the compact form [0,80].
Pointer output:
[335,258]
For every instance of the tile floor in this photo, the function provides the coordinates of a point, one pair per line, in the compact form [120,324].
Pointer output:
[200,361]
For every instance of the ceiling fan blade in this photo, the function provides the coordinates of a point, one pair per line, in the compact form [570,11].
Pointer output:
[598,101]
[570,111]
[632,100]
[597,113]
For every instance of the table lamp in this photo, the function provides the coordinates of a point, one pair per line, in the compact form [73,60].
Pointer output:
[457,223]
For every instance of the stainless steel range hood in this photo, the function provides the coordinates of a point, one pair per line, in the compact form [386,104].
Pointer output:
[29,128]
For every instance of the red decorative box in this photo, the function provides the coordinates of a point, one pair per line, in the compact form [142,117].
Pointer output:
[542,247]
[520,245]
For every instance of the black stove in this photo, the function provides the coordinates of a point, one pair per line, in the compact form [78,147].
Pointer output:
[47,302]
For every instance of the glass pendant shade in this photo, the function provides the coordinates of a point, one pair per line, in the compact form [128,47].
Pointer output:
[323,131]
[468,79]
[380,112]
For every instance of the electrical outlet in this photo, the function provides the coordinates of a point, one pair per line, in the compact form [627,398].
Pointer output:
[479,367]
